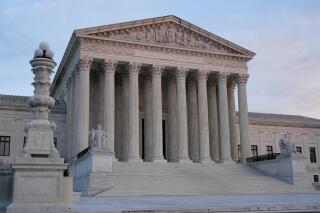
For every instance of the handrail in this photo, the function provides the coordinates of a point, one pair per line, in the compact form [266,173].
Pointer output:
[271,156]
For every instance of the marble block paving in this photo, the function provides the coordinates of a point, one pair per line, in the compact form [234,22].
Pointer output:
[212,203]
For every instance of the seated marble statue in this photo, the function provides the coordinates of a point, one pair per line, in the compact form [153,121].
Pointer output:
[286,147]
[98,139]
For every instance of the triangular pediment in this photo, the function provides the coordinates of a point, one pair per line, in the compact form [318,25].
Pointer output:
[167,31]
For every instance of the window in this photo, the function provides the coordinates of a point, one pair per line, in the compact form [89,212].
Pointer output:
[312,151]
[254,150]
[239,151]
[316,178]
[4,145]
[298,149]
[269,150]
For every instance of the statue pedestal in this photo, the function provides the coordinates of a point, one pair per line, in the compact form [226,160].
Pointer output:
[38,186]
[90,172]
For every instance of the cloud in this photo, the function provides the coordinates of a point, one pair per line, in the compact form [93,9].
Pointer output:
[285,35]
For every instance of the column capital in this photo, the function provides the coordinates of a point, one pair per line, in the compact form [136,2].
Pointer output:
[134,68]
[231,83]
[202,75]
[157,70]
[84,64]
[110,65]
[223,77]
[181,72]
[242,79]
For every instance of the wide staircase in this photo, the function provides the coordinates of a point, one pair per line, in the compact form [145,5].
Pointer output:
[142,178]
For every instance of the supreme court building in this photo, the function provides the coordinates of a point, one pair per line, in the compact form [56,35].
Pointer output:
[162,89]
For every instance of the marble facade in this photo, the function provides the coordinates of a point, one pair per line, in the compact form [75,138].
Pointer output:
[163,90]
[150,79]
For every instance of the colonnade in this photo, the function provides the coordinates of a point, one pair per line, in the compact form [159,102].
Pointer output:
[201,117]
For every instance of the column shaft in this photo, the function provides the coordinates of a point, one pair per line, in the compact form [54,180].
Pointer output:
[118,117]
[224,130]
[109,72]
[125,118]
[172,119]
[213,120]
[133,154]
[101,100]
[203,117]
[193,134]
[82,109]
[74,136]
[232,120]
[69,118]
[147,119]
[157,114]
[243,116]
[182,121]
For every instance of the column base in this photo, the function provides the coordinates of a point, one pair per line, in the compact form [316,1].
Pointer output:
[184,160]
[134,159]
[206,160]
[159,160]
[228,161]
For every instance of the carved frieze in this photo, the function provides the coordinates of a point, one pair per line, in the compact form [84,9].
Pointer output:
[107,49]
[225,62]
[168,33]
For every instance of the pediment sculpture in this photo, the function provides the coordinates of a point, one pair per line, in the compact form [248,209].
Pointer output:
[168,33]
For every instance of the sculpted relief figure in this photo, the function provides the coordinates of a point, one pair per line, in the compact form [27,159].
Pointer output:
[98,139]
[167,33]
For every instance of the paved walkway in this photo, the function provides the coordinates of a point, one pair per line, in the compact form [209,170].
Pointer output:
[228,203]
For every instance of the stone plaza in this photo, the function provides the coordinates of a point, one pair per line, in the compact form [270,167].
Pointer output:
[148,108]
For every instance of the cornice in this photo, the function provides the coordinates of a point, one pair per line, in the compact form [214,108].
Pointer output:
[162,47]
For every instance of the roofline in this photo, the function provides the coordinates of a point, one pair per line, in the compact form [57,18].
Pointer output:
[62,62]
[176,19]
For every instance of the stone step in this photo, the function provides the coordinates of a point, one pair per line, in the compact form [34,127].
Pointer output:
[129,178]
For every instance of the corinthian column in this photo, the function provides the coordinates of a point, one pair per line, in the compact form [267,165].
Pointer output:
[232,119]
[224,131]
[82,109]
[203,117]
[157,114]
[109,111]
[148,118]
[213,120]
[133,146]
[182,115]
[172,119]
[243,116]
[193,135]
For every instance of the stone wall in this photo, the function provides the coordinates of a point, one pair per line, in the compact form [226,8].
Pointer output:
[15,113]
